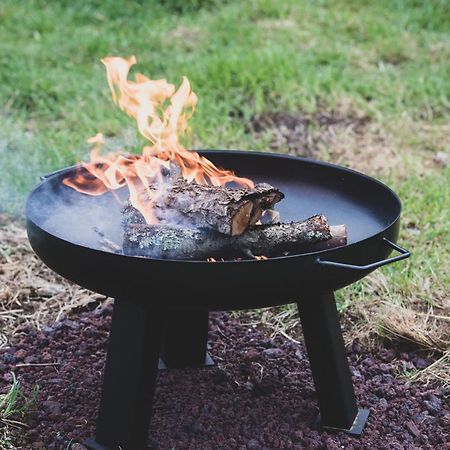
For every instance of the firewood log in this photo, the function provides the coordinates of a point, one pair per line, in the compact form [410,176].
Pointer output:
[158,241]
[226,210]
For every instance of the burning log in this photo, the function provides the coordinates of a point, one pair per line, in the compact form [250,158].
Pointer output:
[226,210]
[159,241]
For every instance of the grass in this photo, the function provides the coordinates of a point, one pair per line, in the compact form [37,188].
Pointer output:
[13,407]
[388,58]
[386,61]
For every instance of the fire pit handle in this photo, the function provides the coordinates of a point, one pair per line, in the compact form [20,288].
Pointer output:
[403,255]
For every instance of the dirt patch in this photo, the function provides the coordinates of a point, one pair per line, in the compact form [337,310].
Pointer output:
[187,37]
[414,325]
[259,395]
[422,326]
[431,141]
[277,24]
[343,137]
[30,291]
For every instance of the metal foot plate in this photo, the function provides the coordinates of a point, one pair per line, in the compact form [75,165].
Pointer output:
[356,429]
[208,362]
[92,444]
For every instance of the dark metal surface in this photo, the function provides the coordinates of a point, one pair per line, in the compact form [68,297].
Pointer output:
[61,224]
[130,376]
[357,426]
[185,339]
[91,444]
[328,359]
[403,255]
[137,335]
[208,361]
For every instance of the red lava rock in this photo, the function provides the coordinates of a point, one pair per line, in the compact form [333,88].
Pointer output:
[330,444]
[20,354]
[259,395]
[445,419]
[252,355]
[253,444]
[421,363]
[8,377]
[412,428]
[8,358]
[433,405]
[384,367]
[52,408]
[274,352]
[31,359]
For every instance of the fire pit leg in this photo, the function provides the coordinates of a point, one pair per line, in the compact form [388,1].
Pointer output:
[129,379]
[329,365]
[185,339]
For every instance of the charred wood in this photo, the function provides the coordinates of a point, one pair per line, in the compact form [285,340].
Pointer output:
[226,210]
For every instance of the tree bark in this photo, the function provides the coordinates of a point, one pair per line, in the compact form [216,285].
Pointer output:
[226,210]
[156,241]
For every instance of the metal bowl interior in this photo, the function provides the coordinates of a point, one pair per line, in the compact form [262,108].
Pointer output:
[61,219]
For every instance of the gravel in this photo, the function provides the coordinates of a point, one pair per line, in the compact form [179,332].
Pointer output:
[259,395]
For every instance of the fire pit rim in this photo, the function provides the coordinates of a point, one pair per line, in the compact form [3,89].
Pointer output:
[319,253]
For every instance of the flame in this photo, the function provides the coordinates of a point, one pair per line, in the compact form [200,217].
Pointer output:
[161,113]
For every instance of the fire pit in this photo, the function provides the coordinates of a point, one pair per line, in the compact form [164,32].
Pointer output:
[161,307]
[140,229]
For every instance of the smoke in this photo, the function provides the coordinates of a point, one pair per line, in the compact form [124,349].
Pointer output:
[20,166]
[83,219]
[24,158]
[91,221]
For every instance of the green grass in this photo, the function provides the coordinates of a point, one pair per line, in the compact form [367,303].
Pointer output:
[388,57]
[13,407]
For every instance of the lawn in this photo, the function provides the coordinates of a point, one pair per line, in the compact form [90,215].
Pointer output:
[381,69]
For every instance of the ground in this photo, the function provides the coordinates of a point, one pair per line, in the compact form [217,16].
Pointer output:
[364,85]
[259,395]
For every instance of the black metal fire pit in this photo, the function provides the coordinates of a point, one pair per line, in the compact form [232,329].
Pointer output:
[161,307]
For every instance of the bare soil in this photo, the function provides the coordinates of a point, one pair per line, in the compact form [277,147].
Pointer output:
[343,136]
[259,395]
[303,134]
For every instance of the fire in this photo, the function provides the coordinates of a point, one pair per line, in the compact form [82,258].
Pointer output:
[161,113]
[214,260]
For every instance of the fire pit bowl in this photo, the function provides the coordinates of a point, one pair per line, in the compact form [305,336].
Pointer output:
[62,224]
[162,306]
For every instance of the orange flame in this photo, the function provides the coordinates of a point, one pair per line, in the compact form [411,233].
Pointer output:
[161,113]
